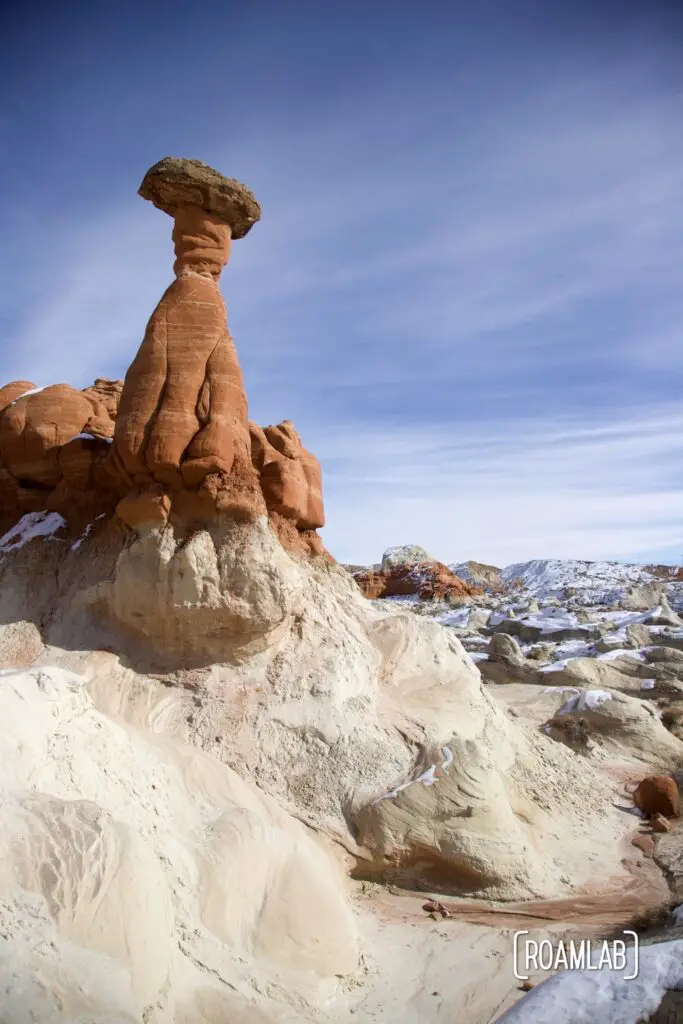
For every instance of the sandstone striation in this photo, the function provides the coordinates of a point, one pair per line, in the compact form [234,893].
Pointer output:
[107,392]
[172,440]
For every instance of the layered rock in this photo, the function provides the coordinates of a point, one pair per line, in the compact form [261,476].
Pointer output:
[54,443]
[183,411]
[123,861]
[371,724]
[486,576]
[107,392]
[183,446]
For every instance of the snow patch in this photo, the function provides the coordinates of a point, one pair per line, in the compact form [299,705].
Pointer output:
[620,652]
[89,437]
[428,777]
[556,666]
[459,617]
[32,391]
[588,700]
[582,997]
[30,526]
[86,533]
[677,915]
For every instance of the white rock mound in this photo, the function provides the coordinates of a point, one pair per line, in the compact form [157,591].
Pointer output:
[404,554]
[231,689]
[143,879]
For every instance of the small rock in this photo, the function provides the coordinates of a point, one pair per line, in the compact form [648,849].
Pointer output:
[645,844]
[658,794]
[436,909]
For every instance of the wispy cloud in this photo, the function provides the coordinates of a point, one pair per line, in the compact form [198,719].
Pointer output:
[517,490]
[465,290]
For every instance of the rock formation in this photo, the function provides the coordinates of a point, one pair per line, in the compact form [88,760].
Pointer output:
[430,581]
[204,732]
[658,794]
[54,444]
[506,662]
[183,446]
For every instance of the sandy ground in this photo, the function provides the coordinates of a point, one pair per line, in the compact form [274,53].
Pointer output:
[462,968]
[422,970]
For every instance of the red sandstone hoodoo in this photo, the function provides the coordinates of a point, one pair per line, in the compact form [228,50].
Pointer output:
[174,438]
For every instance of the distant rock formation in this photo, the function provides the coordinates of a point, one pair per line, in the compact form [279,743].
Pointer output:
[483,575]
[404,554]
[430,581]
[174,438]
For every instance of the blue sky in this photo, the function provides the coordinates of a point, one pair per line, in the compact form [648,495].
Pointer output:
[467,286]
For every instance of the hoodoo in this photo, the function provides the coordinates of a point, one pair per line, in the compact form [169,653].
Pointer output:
[183,446]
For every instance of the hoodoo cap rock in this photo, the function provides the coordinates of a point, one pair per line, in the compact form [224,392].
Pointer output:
[175,182]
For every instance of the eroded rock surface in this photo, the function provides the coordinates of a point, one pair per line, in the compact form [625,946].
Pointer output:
[425,580]
[183,446]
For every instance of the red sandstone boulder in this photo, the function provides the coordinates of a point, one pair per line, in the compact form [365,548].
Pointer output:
[430,581]
[290,476]
[645,844]
[108,393]
[145,509]
[658,794]
[34,428]
[15,390]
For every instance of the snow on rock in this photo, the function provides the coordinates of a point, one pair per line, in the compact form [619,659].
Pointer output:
[404,554]
[556,666]
[547,620]
[30,526]
[620,652]
[677,915]
[86,533]
[89,437]
[31,391]
[574,649]
[587,700]
[582,997]
[458,617]
[427,778]
[550,577]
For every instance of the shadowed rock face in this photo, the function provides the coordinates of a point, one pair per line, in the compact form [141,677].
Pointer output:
[183,445]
